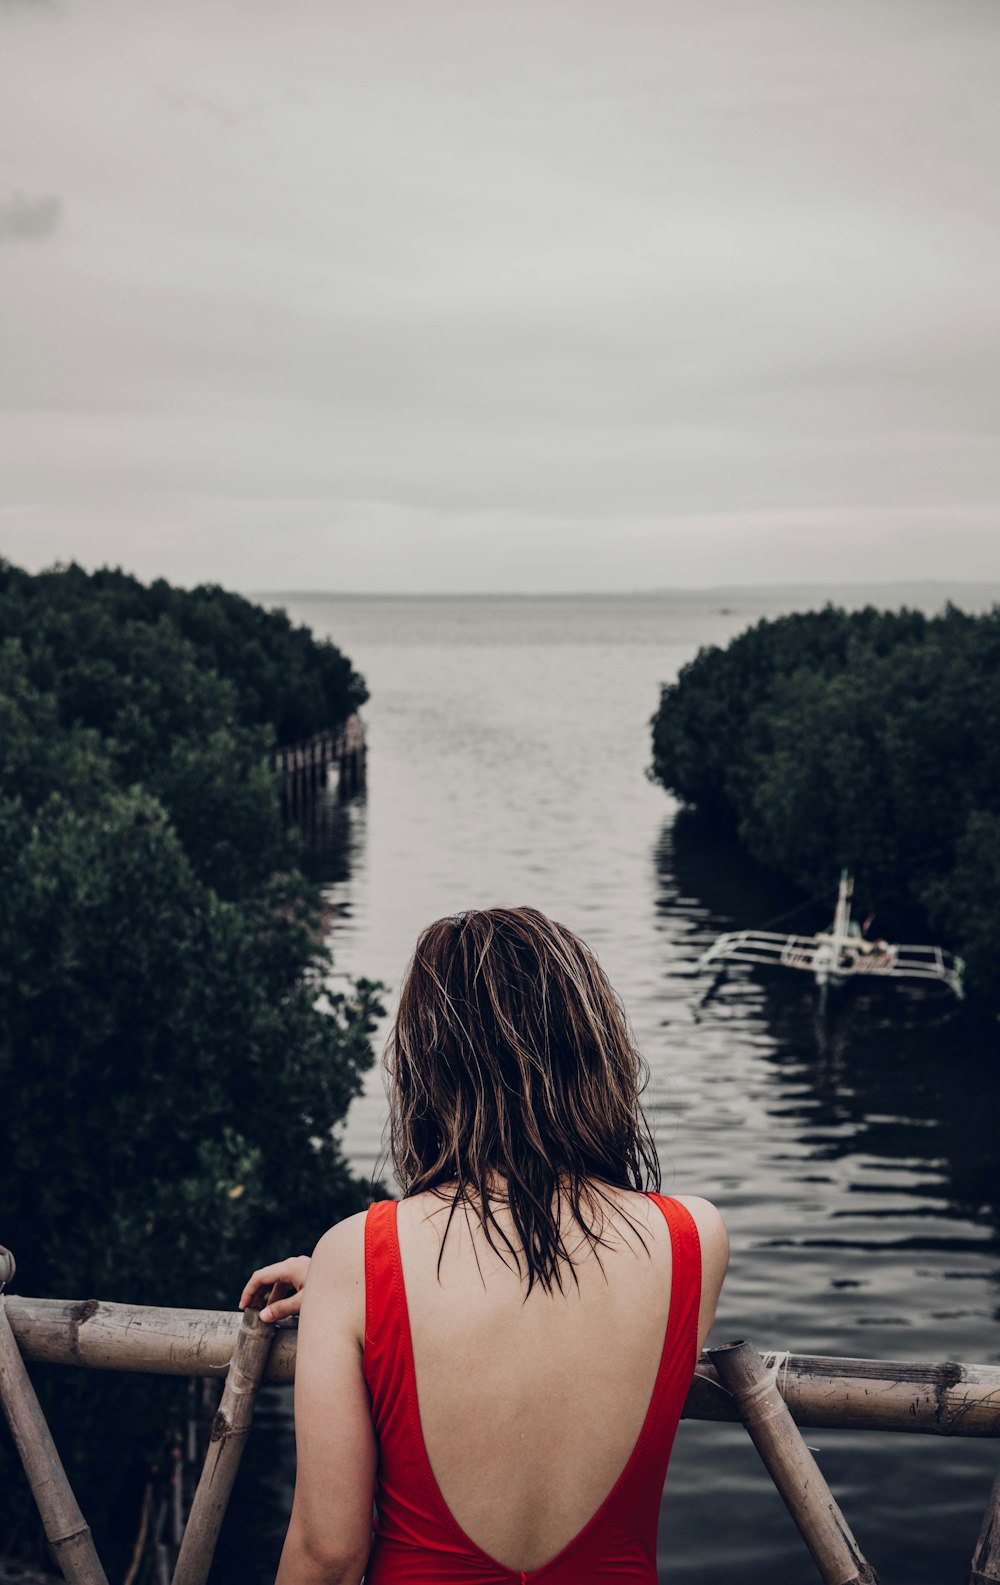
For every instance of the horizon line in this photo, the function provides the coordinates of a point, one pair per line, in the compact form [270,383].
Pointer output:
[979,585]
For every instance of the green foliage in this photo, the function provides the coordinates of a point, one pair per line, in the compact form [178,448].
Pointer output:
[172,1063]
[867,739]
[101,640]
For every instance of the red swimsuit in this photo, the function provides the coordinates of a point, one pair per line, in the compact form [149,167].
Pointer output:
[417,1541]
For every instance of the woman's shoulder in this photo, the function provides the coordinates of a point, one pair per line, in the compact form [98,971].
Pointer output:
[707,1217]
[713,1237]
[337,1272]
[343,1241]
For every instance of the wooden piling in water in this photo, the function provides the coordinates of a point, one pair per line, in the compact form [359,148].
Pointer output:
[230,1429]
[305,766]
[791,1466]
[985,1568]
[66,1530]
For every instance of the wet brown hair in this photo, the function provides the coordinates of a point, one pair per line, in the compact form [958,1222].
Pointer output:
[514,1075]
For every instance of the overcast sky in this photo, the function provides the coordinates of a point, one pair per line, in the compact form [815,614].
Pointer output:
[501,294]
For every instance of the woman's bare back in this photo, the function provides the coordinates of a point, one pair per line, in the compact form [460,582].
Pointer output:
[530,1408]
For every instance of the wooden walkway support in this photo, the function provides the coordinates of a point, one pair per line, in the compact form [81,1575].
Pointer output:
[66,1530]
[306,765]
[791,1466]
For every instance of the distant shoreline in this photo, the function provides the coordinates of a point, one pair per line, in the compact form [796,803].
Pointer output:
[981,593]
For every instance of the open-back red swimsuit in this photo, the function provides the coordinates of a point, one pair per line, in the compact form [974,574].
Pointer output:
[416,1539]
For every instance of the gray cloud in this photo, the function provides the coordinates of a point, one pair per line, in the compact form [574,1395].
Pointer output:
[28,218]
[228,115]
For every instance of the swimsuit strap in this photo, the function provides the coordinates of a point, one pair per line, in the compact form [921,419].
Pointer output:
[380,1259]
[386,1321]
[685,1280]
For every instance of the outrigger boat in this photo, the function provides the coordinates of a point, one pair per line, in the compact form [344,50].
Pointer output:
[838,954]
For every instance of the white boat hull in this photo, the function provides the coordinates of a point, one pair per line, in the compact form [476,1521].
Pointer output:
[839,954]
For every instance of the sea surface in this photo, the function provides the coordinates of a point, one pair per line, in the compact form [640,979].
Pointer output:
[852,1151]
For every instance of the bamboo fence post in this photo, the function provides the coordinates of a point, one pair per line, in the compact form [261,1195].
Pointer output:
[66,1530]
[230,1429]
[986,1558]
[791,1466]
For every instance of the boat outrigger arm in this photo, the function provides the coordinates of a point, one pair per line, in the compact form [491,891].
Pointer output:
[840,953]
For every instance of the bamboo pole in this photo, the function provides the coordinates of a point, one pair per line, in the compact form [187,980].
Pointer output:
[986,1558]
[822,1392]
[791,1466]
[230,1429]
[66,1530]
[132,1337]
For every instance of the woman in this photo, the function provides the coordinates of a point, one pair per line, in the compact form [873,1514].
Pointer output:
[498,1360]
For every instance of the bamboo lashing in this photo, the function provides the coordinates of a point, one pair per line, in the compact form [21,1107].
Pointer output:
[230,1429]
[66,1530]
[791,1466]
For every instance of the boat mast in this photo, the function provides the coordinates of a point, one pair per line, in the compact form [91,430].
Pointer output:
[842,916]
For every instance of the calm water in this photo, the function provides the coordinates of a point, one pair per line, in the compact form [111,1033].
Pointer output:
[853,1157]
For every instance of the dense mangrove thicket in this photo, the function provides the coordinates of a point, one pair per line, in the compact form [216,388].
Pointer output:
[170,1068]
[868,739]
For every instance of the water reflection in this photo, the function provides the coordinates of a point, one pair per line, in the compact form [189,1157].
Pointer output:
[899,1074]
[332,829]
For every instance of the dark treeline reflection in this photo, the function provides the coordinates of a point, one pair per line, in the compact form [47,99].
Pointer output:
[332,830]
[912,1083]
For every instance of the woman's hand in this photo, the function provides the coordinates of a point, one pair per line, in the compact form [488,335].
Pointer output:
[286,1279]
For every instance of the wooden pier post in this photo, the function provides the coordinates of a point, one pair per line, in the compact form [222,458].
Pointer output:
[230,1429]
[986,1558]
[66,1530]
[791,1466]
[305,766]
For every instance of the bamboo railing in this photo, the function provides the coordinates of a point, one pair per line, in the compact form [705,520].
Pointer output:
[821,1391]
[772,1397]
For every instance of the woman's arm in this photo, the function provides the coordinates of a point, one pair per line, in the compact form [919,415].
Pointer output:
[329,1533]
